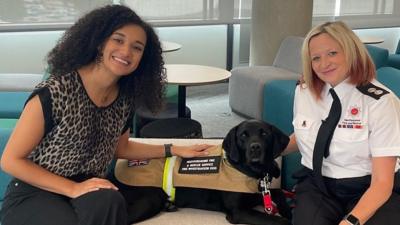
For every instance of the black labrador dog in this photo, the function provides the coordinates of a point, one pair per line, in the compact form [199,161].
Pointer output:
[251,148]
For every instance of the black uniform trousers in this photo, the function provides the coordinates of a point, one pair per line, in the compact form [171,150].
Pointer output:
[28,205]
[313,207]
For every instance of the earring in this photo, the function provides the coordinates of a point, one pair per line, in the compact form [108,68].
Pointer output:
[99,58]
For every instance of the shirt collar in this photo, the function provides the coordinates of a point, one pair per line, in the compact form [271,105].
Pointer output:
[342,89]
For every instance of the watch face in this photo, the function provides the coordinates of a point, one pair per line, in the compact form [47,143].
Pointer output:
[352,219]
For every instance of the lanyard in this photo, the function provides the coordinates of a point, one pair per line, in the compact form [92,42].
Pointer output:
[265,184]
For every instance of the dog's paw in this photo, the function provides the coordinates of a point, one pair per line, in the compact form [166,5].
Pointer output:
[170,207]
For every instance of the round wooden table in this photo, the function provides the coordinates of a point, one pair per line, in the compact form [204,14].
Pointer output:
[192,75]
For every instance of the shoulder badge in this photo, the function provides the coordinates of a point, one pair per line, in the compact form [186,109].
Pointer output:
[301,84]
[372,90]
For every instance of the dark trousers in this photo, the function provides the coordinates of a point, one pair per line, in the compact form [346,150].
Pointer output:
[28,205]
[315,208]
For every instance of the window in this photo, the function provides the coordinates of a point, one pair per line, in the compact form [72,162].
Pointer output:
[176,11]
[59,14]
[31,14]
[191,12]
[358,13]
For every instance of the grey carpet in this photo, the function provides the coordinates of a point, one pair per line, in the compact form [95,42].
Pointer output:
[209,104]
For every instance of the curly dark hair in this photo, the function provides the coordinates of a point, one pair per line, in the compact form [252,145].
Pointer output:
[81,43]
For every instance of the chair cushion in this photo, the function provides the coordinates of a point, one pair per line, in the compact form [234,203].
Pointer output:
[378,55]
[394,61]
[246,87]
[4,178]
[289,54]
[390,77]
[12,104]
[8,123]
[278,110]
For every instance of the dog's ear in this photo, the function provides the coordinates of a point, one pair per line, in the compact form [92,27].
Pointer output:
[280,141]
[230,146]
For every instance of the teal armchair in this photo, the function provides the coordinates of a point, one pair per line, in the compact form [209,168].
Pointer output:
[390,77]
[12,104]
[378,55]
[278,110]
[394,59]
[15,89]
[4,178]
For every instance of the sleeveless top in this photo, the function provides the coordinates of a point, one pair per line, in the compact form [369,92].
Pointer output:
[80,138]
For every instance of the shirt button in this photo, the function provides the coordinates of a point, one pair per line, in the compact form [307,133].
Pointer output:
[16,184]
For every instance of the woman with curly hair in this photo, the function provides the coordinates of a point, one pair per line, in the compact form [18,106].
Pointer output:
[74,123]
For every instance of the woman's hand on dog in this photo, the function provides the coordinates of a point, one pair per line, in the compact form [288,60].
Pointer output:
[93,184]
[191,151]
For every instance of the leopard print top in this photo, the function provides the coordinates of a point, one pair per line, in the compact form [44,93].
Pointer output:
[80,137]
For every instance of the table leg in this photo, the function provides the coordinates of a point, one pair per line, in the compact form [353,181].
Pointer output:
[181,101]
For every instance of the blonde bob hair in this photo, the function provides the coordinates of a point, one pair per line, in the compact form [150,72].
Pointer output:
[361,68]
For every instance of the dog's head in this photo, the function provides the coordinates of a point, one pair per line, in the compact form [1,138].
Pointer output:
[252,147]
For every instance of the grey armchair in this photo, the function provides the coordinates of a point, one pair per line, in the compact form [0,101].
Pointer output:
[246,84]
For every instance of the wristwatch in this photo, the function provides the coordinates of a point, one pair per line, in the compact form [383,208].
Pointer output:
[349,218]
[167,148]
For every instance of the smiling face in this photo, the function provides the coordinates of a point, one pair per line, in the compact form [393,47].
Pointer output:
[328,59]
[124,49]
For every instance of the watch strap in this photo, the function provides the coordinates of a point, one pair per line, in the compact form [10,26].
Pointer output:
[351,219]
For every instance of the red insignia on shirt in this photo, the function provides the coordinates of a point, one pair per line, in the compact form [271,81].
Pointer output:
[354,111]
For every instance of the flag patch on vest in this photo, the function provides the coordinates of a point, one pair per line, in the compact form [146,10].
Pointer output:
[200,165]
[138,162]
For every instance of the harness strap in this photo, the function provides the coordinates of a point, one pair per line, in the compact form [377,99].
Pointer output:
[167,183]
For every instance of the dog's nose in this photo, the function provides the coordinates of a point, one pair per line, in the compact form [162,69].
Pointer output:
[255,149]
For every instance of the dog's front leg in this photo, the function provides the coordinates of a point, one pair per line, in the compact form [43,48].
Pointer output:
[143,202]
[280,200]
[239,210]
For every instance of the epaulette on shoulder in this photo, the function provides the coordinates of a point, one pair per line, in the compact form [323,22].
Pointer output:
[302,84]
[372,90]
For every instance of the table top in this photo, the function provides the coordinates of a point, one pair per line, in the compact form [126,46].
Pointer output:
[191,75]
[371,40]
[168,46]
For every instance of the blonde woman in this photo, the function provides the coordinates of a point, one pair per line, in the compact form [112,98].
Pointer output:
[350,166]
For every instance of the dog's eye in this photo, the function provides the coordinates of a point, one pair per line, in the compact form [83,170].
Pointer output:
[244,135]
[263,133]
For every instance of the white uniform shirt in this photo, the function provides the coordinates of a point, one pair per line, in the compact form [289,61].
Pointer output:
[368,127]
